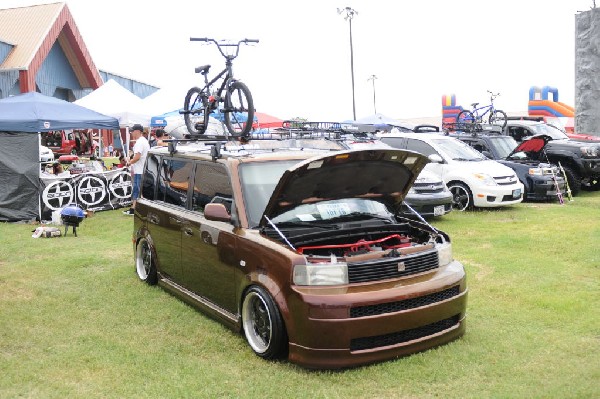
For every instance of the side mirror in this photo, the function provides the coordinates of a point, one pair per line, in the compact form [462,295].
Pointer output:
[435,158]
[216,212]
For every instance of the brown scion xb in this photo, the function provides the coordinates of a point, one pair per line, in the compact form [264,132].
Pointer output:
[298,244]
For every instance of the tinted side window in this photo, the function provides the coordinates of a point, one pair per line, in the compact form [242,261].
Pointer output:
[173,181]
[396,142]
[420,147]
[211,184]
[149,178]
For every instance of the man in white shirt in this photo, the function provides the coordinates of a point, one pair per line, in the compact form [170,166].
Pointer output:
[140,152]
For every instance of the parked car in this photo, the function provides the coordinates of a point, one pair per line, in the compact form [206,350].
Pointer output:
[300,248]
[473,180]
[46,154]
[75,142]
[428,197]
[579,159]
[542,181]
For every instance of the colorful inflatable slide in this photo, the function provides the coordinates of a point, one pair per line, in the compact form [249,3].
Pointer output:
[551,110]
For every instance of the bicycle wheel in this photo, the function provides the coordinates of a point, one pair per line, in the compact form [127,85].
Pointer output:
[239,109]
[465,116]
[194,111]
[498,118]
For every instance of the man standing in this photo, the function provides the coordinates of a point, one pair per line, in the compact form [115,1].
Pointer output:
[140,152]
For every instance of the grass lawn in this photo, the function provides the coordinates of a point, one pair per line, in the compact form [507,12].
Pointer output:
[76,323]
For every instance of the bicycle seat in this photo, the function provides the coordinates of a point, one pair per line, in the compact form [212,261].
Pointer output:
[474,105]
[202,69]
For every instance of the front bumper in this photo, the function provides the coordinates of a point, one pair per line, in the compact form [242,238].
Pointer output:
[428,205]
[344,327]
[494,196]
[541,188]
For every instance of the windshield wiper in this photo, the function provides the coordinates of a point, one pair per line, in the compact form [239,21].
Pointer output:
[316,223]
[361,215]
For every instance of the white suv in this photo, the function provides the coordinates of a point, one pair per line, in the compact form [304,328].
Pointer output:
[474,180]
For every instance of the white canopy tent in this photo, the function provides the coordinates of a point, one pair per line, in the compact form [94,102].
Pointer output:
[114,100]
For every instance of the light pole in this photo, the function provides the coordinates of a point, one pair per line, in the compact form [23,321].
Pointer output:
[372,78]
[349,13]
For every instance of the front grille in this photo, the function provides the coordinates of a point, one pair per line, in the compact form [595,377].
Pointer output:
[385,268]
[403,336]
[411,303]
[505,180]
[428,188]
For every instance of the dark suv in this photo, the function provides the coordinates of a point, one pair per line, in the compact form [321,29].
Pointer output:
[579,159]
[542,181]
[298,245]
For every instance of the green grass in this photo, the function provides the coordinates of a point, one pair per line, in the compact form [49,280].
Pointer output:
[76,323]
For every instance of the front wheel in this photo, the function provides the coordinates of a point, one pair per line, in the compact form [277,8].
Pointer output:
[263,325]
[498,118]
[465,116]
[194,111]
[145,267]
[573,180]
[239,109]
[462,199]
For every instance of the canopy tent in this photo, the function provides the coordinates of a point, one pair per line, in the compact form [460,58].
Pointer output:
[266,121]
[21,118]
[163,100]
[113,99]
[35,112]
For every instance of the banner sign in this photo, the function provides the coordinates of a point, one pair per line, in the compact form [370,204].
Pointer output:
[95,191]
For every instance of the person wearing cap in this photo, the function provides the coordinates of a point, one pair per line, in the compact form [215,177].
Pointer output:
[140,152]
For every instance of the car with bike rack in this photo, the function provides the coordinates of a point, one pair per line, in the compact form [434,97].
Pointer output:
[578,159]
[541,181]
[474,180]
[297,243]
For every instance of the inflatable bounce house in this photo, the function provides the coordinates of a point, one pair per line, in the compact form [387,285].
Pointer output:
[550,109]
[449,109]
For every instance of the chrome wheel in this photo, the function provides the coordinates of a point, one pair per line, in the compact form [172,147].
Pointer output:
[144,263]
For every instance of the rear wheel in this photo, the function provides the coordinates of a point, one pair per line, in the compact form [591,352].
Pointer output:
[145,267]
[263,325]
[239,109]
[498,118]
[462,199]
[193,108]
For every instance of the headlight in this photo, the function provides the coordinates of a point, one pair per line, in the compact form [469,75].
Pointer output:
[485,179]
[444,253]
[590,152]
[536,172]
[321,274]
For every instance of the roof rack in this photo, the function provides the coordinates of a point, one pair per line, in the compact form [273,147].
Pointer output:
[473,129]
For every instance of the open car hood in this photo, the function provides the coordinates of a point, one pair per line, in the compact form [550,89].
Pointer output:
[384,175]
[532,145]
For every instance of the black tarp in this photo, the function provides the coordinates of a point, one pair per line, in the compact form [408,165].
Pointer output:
[19,176]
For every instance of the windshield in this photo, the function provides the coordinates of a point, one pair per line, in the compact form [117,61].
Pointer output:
[258,182]
[543,128]
[504,145]
[457,150]
[343,209]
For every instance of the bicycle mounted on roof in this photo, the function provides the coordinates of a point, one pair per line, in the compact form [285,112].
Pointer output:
[232,97]
[476,114]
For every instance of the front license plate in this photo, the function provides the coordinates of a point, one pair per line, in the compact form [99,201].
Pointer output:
[438,210]
[517,193]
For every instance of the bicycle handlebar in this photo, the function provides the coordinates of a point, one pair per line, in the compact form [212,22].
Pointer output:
[206,39]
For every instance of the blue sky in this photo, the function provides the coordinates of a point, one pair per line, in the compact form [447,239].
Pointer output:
[419,50]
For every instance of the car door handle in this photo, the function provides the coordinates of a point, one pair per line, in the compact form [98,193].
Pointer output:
[154,219]
[188,232]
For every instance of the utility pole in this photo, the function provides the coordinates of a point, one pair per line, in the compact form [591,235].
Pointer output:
[372,78]
[349,13]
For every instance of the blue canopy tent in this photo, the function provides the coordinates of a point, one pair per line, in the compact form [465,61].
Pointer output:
[22,117]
